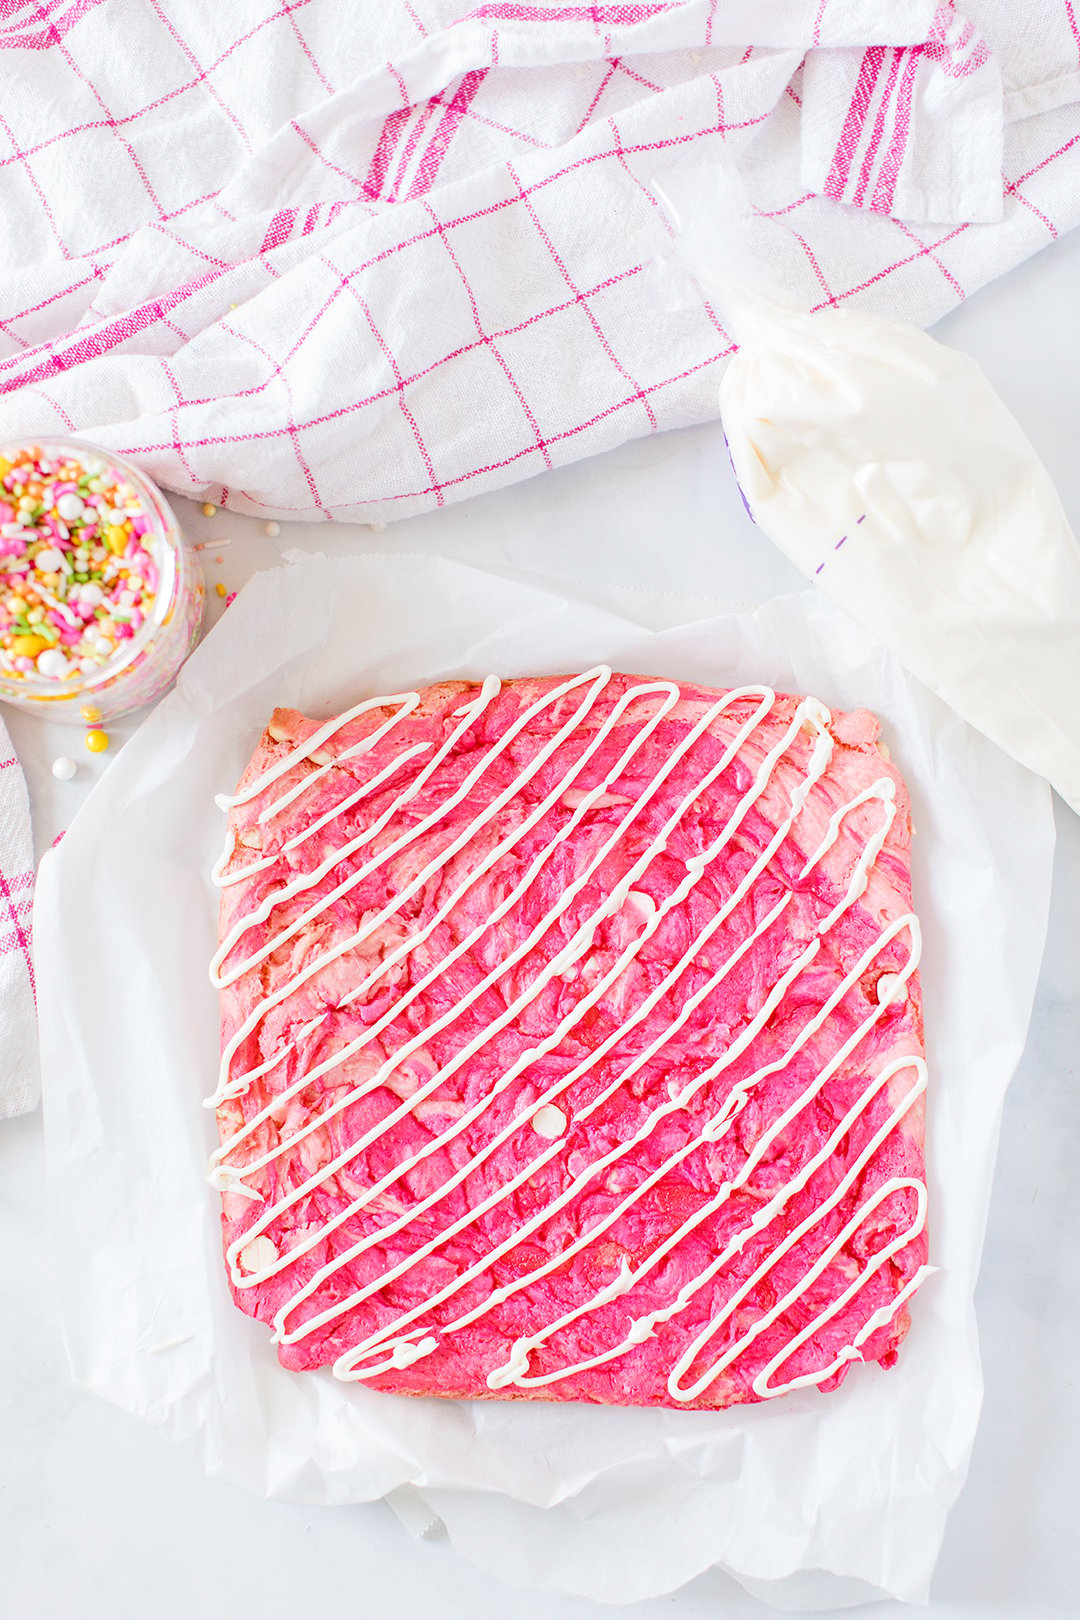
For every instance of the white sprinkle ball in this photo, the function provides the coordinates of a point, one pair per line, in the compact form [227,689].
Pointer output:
[272,529]
[70,507]
[63,768]
[49,561]
[53,664]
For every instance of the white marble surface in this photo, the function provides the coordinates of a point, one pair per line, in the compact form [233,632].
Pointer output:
[99,1516]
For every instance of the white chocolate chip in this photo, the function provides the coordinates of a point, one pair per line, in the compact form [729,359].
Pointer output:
[890,987]
[549,1121]
[257,1254]
[644,902]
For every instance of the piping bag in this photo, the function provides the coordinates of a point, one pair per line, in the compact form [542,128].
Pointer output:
[884,465]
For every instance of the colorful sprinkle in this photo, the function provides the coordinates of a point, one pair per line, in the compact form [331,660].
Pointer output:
[97,741]
[219,587]
[90,713]
[209,509]
[272,529]
[78,574]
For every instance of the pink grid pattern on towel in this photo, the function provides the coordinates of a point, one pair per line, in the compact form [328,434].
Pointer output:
[314,270]
[18,1033]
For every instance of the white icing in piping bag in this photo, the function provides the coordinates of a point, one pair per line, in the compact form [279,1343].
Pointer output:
[888,470]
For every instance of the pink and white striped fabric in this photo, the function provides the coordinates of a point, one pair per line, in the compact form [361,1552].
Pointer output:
[18,1027]
[897,151]
[308,260]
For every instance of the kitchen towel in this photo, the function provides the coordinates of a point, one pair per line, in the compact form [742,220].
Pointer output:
[19,1081]
[311,259]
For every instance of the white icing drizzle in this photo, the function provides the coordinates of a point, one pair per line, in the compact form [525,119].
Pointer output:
[309,880]
[471,712]
[545,1116]
[645,1327]
[408,701]
[557,965]
[884,790]
[716,1127]
[671,697]
[222,881]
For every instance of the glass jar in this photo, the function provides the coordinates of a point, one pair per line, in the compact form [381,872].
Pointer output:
[144,659]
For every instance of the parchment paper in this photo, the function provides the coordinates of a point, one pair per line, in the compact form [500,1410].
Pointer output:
[810,1500]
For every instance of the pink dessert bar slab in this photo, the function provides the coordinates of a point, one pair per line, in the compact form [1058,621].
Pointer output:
[572,1042]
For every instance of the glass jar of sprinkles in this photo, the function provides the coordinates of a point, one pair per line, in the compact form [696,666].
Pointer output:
[100,599]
